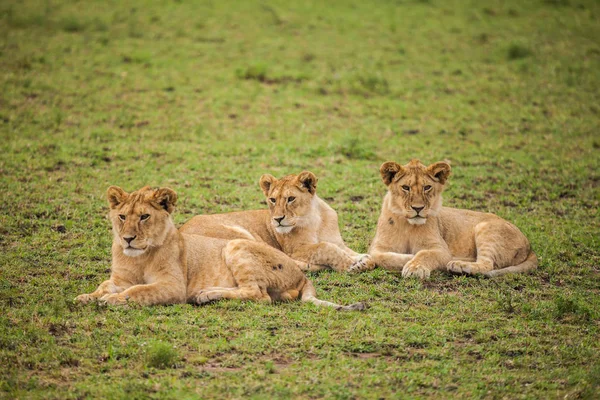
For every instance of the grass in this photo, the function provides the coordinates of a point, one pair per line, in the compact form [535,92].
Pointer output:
[517,51]
[161,355]
[205,97]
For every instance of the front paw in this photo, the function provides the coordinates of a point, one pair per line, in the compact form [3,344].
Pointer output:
[303,265]
[363,262]
[85,298]
[413,269]
[459,267]
[207,297]
[114,299]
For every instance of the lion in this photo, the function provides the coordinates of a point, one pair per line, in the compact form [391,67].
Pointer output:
[416,235]
[154,263]
[297,222]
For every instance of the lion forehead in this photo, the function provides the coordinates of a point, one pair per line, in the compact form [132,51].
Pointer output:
[137,203]
[416,176]
[285,188]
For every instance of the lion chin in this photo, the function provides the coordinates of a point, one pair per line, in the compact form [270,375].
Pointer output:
[133,252]
[284,229]
[417,220]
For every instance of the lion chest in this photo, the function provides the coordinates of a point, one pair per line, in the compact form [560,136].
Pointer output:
[401,237]
[405,238]
[149,278]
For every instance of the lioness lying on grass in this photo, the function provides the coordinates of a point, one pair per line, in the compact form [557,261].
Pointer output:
[297,222]
[416,235]
[153,263]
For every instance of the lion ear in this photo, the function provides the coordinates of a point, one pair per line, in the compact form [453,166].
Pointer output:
[389,170]
[265,182]
[308,181]
[115,196]
[166,198]
[440,171]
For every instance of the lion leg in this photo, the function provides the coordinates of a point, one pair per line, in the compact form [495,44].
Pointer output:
[362,262]
[486,253]
[289,295]
[258,270]
[499,245]
[306,267]
[529,264]
[107,287]
[250,292]
[482,265]
[161,292]
[389,260]
[425,261]
[324,254]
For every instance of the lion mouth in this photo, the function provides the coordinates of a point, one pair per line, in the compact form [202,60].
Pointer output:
[131,251]
[417,220]
[130,247]
[284,228]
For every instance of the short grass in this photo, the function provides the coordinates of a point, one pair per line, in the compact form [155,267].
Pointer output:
[206,96]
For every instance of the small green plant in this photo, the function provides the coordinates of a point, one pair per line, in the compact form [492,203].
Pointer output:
[517,51]
[58,117]
[506,303]
[99,25]
[565,307]
[257,72]
[374,84]
[72,24]
[161,355]
[357,149]
[270,367]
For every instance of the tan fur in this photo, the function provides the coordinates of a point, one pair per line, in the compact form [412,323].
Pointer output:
[154,263]
[297,222]
[416,235]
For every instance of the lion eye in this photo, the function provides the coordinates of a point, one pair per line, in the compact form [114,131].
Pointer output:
[291,199]
[427,188]
[145,217]
[407,188]
[272,200]
[122,217]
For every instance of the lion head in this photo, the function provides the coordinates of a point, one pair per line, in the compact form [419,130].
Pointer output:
[415,189]
[140,219]
[290,199]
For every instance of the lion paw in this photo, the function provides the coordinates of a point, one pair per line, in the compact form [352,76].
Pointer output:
[302,265]
[114,299]
[84,298]
[415,270]
[363,262]
[465,267]
[207,297]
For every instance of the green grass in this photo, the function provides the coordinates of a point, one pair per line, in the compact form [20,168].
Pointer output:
[205,97]
[161,355]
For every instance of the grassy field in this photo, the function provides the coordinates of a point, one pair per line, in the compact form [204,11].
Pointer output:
[206,96]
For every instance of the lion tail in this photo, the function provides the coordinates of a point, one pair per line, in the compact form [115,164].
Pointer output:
[309,294]
[530,263]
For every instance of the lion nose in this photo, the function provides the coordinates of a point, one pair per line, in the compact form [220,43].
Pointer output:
[417,209]
[129,239]
[279,219]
